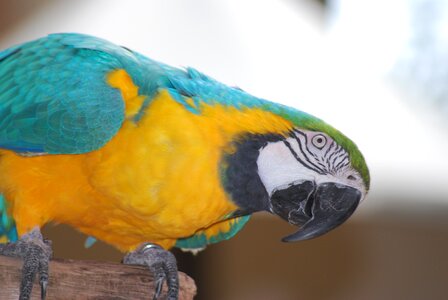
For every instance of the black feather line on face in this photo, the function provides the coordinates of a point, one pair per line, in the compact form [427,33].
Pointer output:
[320,163]
[340,167]
[329,148]
[321,171]
[337,157]
[288,145]
[345,159]
[337,150]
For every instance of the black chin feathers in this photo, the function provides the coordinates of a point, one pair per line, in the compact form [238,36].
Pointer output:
[240,173]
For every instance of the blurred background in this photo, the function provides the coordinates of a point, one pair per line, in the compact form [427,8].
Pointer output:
[376,70]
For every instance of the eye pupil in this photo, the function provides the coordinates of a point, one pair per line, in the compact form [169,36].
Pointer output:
[319,141]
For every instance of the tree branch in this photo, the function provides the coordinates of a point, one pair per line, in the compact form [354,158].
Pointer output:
[70,279]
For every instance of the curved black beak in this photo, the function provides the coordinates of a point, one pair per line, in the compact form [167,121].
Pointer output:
[317,209]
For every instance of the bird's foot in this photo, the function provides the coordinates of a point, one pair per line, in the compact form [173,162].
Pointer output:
[36,254]
[161,263]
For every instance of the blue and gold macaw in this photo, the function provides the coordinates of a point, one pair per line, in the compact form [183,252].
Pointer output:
[147,157]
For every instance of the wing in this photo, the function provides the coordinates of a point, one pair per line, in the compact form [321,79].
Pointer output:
[214,234]
[54,97]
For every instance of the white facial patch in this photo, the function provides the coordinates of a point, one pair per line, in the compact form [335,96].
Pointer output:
[278,167]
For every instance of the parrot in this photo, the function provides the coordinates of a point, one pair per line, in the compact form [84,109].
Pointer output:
[146,157]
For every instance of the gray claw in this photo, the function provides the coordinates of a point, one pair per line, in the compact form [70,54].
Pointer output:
[43,277]
[43,289]
[159,285]
[161,263]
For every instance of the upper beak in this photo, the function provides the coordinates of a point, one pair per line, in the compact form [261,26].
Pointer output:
[317,209]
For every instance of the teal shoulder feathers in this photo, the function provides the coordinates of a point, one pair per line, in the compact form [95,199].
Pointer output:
[54,99]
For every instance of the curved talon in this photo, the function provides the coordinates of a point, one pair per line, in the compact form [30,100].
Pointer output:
[159,285]
[43,290]
[43,272]
[161,263]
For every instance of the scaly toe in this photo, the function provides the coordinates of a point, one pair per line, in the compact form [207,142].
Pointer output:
[161,263]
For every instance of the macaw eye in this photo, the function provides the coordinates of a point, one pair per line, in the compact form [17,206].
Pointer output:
[319,141]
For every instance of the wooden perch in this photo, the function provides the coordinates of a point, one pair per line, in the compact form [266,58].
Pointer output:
[70,279]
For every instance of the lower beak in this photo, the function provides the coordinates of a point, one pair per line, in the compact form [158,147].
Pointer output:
[318,210]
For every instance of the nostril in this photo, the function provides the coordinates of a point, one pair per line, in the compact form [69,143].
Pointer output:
[351,177]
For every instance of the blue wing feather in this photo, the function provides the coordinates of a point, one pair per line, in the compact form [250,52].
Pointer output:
[54,97]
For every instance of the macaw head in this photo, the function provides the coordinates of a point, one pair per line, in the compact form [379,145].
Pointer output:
[312,177]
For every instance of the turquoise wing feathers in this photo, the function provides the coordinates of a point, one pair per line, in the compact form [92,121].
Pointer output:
[54,97]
